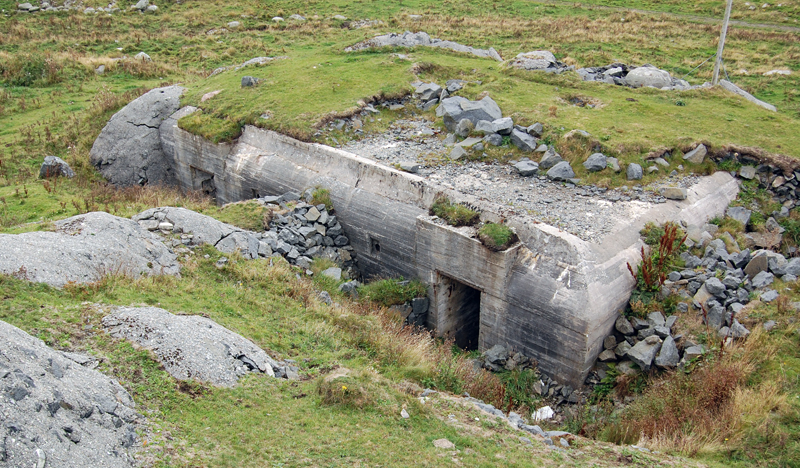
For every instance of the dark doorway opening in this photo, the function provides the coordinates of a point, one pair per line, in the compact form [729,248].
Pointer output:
[461,304]
[204,181]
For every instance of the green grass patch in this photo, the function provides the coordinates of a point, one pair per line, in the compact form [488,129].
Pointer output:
[389,292]
[322,196]
[455,214]
[497,237]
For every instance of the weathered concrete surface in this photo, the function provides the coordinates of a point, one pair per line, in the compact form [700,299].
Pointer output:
[553,297]
[190,346]
[128,149]
[57,413]
[83,248]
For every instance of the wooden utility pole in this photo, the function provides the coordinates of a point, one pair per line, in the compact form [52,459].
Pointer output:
[722,34]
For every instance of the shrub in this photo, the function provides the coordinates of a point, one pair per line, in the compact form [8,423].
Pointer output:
[453,213]
[389,292]
[497,237]
[652,272]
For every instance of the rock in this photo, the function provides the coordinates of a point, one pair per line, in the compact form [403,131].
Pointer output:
[142,57]
[610,342]
[536,130]
[762,279]
[756,265]
[484,127]
[697,155]
[54,166]
[100,69]
[409,39]
[141,5]
[643,353]
[769,325]
[693,352]
[674,193]
[128,150]
[464,128]
[457,153]
[715,287]
[493,139]
[84,248]
[769,296]
[747,172]
[561,171]
[428,91]
[716,317]
[550,159]
[523,141]
[411,167]
[613,163]
[526,168]
[727,85]
[233,24]
[207,351]
[738,330]
[538,60]
[333,272]
[456,108]
[57,413]
[607,355]
[444,444]
[668,356]
[503,126]
[623,326]
[648,76]
[595,162]
[204,229]
[404,414]
[622,349]
[297,17]
[656,319]
[497,354]
[152,8]
[739,214]
[249,81]
[24,6]
[634,171]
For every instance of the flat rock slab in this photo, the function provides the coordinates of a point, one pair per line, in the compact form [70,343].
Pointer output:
[205,229]
[56,413]
[409,39]
[83,248]
[190,346]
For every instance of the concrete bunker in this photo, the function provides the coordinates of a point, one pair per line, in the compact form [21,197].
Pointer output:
[553,296]
[459,305]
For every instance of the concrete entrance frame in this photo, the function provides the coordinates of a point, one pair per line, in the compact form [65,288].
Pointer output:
[553,296]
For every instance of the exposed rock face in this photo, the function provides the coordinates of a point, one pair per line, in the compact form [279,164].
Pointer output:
[57,413]
[409,39]
[53,166]
[204,229]
[128,150]
[83,248]
[190,346]
[542,60]
[456,108]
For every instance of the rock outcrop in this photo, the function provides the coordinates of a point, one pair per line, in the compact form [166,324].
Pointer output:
[128,150]
[190,346]
[409,39]
[83,248]
[57,413]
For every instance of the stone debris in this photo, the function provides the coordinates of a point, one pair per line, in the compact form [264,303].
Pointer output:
[420,39]
[498,358]
[539,60]
[84,248]
[59,413]
[191,347]
[621,74]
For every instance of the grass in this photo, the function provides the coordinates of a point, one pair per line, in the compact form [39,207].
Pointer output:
[455,214]
[497,237]
[389,292]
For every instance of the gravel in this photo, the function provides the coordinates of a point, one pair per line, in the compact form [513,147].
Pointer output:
[588,212]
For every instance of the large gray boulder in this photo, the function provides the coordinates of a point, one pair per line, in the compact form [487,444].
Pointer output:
[644,352]
[128,149]
[523,141]
[561,171]
[595,162]
[634,171]
[83,249]
[57,413]
[648,75]
[455,108]
[204,229]
[550,159]
[190,346]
